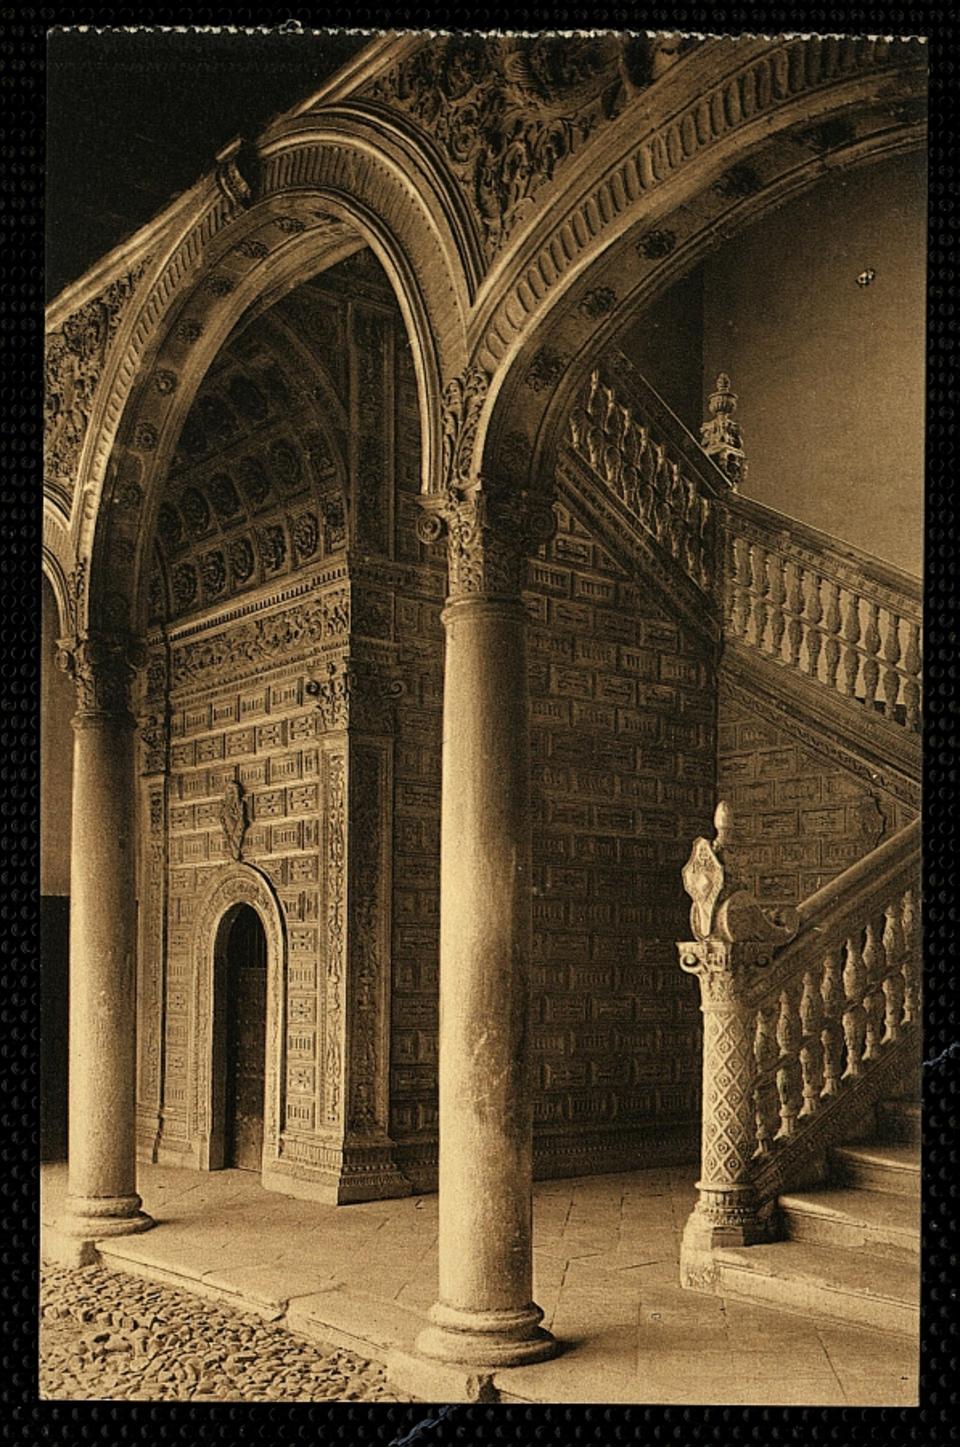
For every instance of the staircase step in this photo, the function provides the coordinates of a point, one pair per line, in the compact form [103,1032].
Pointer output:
[899,1120]
[875,1222]
[878,1166]
[827,1281]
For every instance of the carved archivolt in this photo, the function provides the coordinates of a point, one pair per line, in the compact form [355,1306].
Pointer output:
[237,884]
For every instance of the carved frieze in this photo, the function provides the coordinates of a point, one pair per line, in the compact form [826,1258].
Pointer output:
[75,355]
[262,641]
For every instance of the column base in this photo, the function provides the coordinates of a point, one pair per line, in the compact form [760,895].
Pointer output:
[486,1338]
[703,1235]
[95,1217]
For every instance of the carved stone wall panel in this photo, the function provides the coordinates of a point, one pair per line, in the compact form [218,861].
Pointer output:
[801,818]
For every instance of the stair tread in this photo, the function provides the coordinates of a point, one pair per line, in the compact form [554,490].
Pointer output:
[829,1267]
[877,1209]
[893,1155]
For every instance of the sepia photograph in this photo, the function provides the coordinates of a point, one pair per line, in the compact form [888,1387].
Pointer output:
[481,673]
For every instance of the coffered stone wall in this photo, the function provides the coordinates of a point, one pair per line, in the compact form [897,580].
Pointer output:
[801,818]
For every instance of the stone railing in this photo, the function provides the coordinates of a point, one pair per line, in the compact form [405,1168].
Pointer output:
[829,612]
[808,1016]
[629,438]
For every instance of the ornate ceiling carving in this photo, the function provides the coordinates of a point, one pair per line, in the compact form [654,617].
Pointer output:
[508,112]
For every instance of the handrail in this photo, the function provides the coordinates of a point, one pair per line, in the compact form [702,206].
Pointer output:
[839,893]
[805,1015]
[771,519]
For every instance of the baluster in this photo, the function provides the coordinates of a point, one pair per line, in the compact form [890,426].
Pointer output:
[593,402]
[891,657]
[758,586]
[831,630]
[766,1053]
[776,593]
[814,613]
[871,646]
[789,1036]
[893,985]
[874,961]
[850,634]
[854,1015]
[703,519]
[794,605]
[613,468]
[911,958]
[741,584]
[811,1051]
[911,684]
[831,1035]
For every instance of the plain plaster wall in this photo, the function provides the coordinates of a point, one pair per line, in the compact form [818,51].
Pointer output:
[830,374]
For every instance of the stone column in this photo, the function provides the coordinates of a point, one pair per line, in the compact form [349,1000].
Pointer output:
[102,1198]
[735,938]
[485,1315]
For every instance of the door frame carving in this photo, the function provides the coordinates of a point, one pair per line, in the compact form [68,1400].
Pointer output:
[233,886]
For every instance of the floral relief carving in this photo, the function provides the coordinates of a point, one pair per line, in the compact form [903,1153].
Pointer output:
[249,645]
[102,671]
[489,537]
[336,855]
[509,112]
[461,405]
[75,355]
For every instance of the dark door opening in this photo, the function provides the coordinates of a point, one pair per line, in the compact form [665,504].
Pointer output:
[246,1002]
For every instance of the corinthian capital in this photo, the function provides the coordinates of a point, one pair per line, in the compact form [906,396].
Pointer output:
[489,537]
[102,670]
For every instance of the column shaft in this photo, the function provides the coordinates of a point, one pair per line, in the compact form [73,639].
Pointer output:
[102,1195]
[485,1313]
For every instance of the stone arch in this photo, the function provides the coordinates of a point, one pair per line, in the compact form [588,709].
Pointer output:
[235,885]
[322,191]
[55,563]
[733,149]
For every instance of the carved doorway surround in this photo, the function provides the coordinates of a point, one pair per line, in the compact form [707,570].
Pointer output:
[233,888]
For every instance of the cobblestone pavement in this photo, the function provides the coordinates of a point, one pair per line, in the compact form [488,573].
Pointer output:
[106,1336]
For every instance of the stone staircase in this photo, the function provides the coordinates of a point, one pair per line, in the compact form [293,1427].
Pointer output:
[852,1247]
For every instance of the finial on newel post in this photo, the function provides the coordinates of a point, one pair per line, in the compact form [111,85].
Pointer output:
[720,435]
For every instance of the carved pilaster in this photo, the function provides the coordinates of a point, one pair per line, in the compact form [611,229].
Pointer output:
[733,944]
[357,693]
[489,537]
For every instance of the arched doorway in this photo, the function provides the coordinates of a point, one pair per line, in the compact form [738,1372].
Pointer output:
[243,1008]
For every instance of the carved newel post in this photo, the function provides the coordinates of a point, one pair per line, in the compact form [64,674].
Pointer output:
[720,435]
[102,1198]
[485,1315]
[734,941]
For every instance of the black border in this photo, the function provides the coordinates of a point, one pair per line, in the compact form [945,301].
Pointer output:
[22,44]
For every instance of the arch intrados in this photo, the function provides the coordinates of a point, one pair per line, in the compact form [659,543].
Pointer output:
[540,417]
[116,595]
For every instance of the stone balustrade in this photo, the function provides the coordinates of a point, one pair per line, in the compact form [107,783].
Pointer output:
[801,1010]
[837,616]
[612,431]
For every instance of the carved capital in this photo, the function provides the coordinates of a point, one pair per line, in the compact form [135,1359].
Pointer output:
[103,670]
[724,910]
[356,693]
[489,537]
